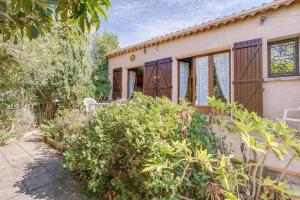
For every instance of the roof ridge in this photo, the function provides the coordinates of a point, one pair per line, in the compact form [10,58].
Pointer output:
[214,23]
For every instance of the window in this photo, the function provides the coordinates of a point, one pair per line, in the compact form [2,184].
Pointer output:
[221,76]
[185,80]
[204,76]
[212,78]
[202,81]
[283,58]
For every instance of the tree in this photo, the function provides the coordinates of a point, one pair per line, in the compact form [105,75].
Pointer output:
[36,17]
[101,45]
[56,73]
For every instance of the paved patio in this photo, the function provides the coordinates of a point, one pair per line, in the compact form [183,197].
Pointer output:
[30,169]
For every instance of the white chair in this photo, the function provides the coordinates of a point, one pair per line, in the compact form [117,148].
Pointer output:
[287,119]
[89,104]
[293,122]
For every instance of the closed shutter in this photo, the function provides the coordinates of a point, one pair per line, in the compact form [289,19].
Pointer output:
[158,78]
[117,83]
[248,80]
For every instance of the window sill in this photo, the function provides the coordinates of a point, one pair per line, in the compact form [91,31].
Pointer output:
[287,78]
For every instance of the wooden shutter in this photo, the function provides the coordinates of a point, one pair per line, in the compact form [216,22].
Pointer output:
[150,81]
[248,80]
[164,78]
[117,83]
[158,78]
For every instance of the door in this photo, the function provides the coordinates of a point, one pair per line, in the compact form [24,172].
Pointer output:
[248,80]
[117,84]
[158,78]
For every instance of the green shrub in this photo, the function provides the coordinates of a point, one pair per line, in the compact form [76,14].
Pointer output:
[259,139]
[66,123]
[116,154]
[4,137]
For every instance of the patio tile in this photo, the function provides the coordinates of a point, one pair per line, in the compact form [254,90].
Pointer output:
[29,169]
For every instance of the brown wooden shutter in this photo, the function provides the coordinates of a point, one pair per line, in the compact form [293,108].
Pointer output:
[117,83]
[149,78]
[248,80]
[158,78]
[164,78]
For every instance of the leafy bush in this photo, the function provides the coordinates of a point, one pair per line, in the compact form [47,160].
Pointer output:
[260,138]
[66,123]
[137,149]
[16,117]
[4,137]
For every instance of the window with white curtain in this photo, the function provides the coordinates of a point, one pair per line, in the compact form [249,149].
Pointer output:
[132,77]
[184,68]
[202,81]
[221,62]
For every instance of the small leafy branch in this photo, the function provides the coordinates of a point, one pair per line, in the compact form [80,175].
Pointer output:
[260,138]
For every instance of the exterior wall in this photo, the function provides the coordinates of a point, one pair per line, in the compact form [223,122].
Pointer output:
[279,93]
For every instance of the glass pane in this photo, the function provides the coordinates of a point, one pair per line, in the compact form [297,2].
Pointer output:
[132,77]
[183,79]
[283,57]
[202,81]
[221,64]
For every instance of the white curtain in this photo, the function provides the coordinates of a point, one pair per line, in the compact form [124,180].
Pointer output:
[222,71]
[132,77]
[202,81]
[183,79]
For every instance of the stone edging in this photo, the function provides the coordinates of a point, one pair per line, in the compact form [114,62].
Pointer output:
[54,144]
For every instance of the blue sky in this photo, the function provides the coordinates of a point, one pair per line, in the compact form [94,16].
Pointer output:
[138,20]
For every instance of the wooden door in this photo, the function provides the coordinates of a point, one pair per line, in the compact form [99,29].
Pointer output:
[158,78]
[248,80]
[164,78]
[117,84]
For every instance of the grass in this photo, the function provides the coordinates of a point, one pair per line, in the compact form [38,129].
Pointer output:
[4,137]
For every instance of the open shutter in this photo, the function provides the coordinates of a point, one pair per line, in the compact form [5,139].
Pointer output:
[248,80]
[117,83]
[150,81]
[164,78]
[158,78]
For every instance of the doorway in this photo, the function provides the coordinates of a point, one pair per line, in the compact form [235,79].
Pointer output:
[135,81]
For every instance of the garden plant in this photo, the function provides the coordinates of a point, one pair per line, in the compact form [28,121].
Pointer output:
[150,148]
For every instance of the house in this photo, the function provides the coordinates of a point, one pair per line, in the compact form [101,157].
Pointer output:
[251,57]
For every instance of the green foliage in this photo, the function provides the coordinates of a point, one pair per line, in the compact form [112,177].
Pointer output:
[101,45]
[34,18]
[55,73]
[61,74]
[4,137]
[260,138]
[145,148]
[201,134]
[66,123]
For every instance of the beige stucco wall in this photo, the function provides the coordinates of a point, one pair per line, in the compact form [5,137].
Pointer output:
[278,93]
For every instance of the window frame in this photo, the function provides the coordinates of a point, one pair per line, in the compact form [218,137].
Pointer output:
[294,73]
[203,108]
[190,81]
